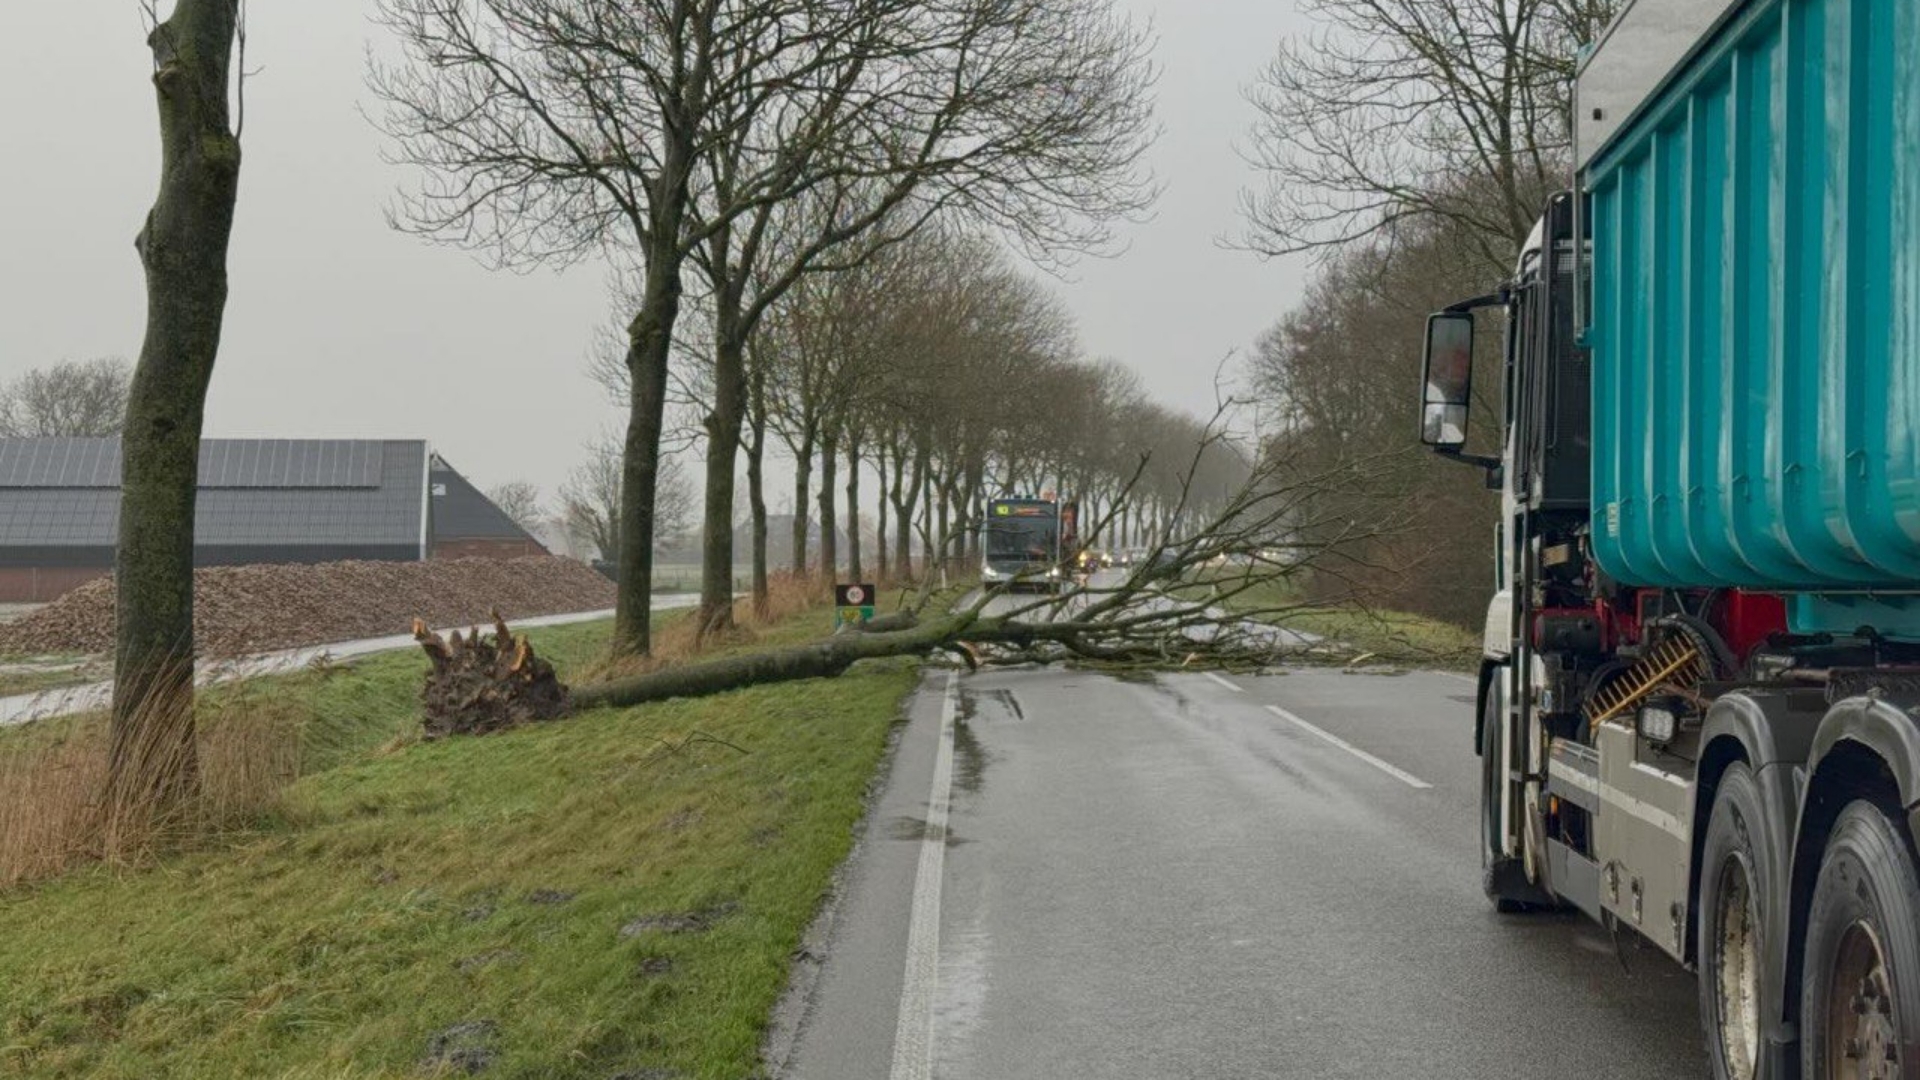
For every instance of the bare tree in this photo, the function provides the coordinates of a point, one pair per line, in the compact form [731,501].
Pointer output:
[72,398]
[519,500]
[183,248]
[552,128]
[590,500]
[1333,377]
[548,130]
[1398,110]
[1032,115]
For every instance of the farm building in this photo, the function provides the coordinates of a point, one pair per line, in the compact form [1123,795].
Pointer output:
[260,501]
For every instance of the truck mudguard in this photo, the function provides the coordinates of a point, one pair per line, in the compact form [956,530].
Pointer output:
[1887,726]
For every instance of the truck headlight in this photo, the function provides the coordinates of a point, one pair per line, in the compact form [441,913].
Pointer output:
[1658,724]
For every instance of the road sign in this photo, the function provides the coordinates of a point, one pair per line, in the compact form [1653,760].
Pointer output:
[852,604]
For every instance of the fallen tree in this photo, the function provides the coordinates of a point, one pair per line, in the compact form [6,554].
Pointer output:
[1218,596]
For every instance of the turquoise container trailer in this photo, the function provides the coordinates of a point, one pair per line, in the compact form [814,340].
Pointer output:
[1699,704]
[1755,324]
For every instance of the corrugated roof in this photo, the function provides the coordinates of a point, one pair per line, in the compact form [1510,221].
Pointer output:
[263,493]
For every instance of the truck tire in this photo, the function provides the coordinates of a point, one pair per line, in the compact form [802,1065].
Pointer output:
[1504,877]
[1860,999]
[1736,877]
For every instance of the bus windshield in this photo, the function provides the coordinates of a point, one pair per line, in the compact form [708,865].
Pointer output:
[1022,534]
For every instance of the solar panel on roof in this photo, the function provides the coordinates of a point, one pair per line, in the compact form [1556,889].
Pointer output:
[224,463]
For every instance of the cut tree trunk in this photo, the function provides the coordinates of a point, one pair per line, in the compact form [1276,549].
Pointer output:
[183,249]
[819,660]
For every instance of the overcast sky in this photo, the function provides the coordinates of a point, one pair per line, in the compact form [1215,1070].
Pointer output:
[339,327]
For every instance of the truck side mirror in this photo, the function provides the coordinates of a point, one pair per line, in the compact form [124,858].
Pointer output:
[1446,380]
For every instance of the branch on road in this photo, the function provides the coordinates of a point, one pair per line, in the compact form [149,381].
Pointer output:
[1216,593]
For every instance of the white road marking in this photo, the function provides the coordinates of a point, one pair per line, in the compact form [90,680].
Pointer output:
[1394,771]
[913,1033]
[1229,684]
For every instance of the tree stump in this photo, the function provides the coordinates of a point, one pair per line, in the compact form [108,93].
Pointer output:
[480,685]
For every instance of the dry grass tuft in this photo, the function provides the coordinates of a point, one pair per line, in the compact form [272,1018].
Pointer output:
[680,641]
[56,814]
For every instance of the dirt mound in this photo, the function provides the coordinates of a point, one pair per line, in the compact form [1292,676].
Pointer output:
[241,610]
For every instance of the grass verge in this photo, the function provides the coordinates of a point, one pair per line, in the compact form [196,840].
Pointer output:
[1355,634]
[30,675]
[614,893]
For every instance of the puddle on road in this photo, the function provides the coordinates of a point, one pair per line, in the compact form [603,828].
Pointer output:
[919,829]
[1286,768]
[1012,703]
[969,759]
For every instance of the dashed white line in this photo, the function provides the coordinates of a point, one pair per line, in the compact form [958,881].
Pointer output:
[913,1031]
[1394,771]
[1228,683]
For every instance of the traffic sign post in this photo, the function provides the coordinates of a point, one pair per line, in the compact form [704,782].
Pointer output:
[852,604]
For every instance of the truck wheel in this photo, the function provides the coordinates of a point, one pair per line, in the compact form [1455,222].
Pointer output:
[1860,999]
[1503,876]
[1736,877]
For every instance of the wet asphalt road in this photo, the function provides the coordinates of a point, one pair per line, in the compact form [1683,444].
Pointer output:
[1167,878]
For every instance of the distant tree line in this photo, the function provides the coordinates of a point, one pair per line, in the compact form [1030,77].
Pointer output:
[1409,145]
[746,165]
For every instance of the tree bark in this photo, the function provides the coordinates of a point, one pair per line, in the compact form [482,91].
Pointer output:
[723,452]
[183,249]
[881,554]
[649,354]
[854,570]
[802,492]
[649,350]
[827,658]
[756,484]
[829,530]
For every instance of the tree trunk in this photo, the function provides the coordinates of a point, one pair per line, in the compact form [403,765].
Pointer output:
[854,569]
[829,530]
[802,492]
[929,559]
[905,495]
[818,660]
[723,454]
[880,552]
[943,536]
[649,354]
[183,249]
[649,351]
[756,484]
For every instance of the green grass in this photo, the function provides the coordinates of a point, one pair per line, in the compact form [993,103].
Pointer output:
[1353,633]
[32,674]
[407,887]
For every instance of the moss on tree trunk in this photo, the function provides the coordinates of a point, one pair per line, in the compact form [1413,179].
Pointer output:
[183,249]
